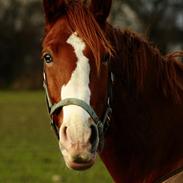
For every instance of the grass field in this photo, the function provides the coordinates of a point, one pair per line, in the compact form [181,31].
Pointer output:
[28,148]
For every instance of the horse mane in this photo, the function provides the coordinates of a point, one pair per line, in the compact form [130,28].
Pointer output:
[81,20]
[136,56]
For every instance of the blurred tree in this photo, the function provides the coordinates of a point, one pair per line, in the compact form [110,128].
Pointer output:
[160,20]
[21,25]
[21,30]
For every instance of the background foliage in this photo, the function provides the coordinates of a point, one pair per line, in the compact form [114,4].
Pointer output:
[21,32]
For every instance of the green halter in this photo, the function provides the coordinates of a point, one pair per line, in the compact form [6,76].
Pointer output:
[102,125]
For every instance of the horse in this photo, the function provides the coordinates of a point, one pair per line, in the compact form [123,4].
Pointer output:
[111,92]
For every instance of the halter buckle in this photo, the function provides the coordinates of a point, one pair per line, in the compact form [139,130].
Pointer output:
[107,119]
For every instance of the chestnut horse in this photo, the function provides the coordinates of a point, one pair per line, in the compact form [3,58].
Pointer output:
[95,77]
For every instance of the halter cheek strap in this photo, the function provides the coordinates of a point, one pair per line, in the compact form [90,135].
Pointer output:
[49,106]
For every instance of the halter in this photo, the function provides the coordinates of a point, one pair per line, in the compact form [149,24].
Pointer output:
[102,125]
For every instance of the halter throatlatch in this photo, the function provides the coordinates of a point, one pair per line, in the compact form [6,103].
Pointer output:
[102,125]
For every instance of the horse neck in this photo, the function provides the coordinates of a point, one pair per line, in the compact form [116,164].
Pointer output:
[130,143]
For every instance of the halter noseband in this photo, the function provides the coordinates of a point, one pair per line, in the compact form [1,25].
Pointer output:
[102,125]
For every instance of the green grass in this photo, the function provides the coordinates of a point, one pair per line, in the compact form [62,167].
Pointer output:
[29,151]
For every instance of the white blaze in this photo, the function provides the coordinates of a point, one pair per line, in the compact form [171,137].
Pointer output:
[76,118]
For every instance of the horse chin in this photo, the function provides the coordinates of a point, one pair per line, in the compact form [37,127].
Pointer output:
[76,163]
[80,166]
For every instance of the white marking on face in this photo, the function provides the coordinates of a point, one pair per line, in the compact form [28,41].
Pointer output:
[77,119]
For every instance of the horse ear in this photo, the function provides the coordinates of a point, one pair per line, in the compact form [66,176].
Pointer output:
[100,10]
[53,9]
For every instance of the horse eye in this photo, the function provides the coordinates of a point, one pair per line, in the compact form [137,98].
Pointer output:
[105,58]
[47,58]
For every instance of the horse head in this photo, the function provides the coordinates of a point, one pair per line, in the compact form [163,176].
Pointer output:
[75,55]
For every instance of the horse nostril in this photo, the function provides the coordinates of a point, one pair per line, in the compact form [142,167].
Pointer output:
[94,137]
[64,132]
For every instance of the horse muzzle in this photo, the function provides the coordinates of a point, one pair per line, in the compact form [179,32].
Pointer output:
[78,160]
[79,154]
